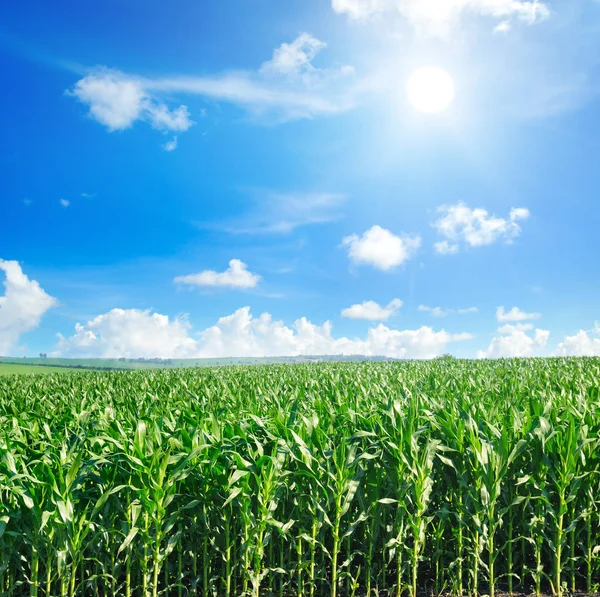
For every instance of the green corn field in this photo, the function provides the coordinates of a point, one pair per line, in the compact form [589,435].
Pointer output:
[442,477]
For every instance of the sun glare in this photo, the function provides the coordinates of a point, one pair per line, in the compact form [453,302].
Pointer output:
[430,89]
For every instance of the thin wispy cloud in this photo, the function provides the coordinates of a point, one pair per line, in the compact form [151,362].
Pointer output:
[439,312]
[286,87]
[281,213]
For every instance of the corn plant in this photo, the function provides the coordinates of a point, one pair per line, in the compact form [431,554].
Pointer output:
[348,479]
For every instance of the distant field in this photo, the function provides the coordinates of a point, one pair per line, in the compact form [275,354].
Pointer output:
[10,369]
[136,364]
[48,363]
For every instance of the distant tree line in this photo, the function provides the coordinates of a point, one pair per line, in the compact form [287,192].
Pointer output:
[154,360]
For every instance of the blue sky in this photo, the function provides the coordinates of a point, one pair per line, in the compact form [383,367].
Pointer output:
[250,178]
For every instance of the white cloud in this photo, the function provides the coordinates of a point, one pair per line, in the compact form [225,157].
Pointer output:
[515,314]
[439,312]
[513,341]
[65,202]
[437,17]
[380,248]
[445,248]
[475,227]
[163,119]
[286,87]
[137,333]
[236,276]
[22,307]
[371,311]
[117,100]
[281,213]
[276,98]
[467,310]
[128,333]
[435,311]
[502,27]
[171,145]
[113,100]
[359,9]
[295,57]
[508,328]
[582,344]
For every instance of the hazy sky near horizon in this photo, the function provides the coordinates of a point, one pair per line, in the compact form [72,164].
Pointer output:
[197,179]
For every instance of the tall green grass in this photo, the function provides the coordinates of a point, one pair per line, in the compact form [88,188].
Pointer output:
[448,476]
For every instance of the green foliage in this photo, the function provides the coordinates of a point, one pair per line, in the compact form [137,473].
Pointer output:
[314,479]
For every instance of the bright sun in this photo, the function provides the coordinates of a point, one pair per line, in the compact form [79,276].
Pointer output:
[430,89]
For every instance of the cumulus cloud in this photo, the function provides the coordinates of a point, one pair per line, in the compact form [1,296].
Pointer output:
[236,275]
[381,248]
[22,307]
[372,311]
[437,17]
[64,203]
[128,333]
[134,333]
[475,227]
[515,314]
[439,312]
[117,100]
[113,100]
[582,344]
[514,341]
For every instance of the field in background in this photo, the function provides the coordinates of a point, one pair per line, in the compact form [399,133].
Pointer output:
[456,477]
[12,369]
[135,364]
[90,364]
